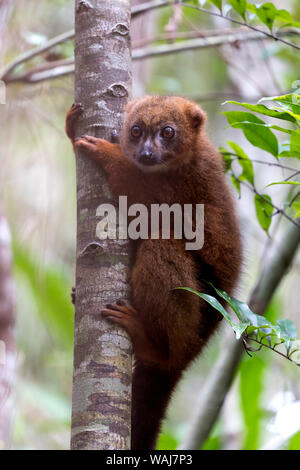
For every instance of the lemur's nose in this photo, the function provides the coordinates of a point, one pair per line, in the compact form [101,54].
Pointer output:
[145,157]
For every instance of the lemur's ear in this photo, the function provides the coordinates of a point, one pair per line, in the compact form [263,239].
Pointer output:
[197,116]
[130,105]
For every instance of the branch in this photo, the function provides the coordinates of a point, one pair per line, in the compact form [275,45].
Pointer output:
[152,5]
[48,71]
[242,23]
[65,67]
[36,51]
[220,380]
[262,162]
[278,210]
[272,348]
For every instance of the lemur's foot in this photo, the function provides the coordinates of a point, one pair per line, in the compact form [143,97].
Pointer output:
[123,314]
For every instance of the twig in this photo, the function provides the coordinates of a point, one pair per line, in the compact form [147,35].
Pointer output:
[172,36]
[135,11]
[278,210]
[152,5]
[44,72]
[284,167]
[294,198]
[292,176]
[200,43]
[36,51]
[221,378]
[242,23]
[274,349]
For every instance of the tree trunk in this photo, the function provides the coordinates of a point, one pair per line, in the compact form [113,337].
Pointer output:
[101,405]
[7,341]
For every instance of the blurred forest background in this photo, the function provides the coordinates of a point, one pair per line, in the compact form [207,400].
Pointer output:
[37,195]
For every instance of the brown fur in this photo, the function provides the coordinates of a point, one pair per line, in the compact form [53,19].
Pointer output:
[168,328]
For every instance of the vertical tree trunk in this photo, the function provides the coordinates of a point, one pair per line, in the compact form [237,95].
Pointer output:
[102,352]
[7,341]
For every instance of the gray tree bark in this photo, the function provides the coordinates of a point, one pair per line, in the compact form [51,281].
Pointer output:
[101,404]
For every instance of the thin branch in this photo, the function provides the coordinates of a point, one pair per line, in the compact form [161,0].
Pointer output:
[44,72]
[221,377]
[274,349]
[28,55]
[152,5]
[294,198]
[203,42]
[242,23]
[171,36]
[277,209]
[33,75]
[36,51]
[292,176]
[284,167]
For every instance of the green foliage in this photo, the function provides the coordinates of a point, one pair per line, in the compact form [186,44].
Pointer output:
[213,443]
[259,134]
[264,210]
[267,14]
[251,326]
[51,291]
[239,6]
[244,161]
[218,4]
[251,387]
[294,443]
[167,441]
[262,109]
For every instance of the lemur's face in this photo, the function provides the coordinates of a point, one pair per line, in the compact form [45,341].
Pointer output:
[158,131]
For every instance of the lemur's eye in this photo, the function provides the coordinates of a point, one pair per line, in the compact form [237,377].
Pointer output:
[168,132]
[136,131]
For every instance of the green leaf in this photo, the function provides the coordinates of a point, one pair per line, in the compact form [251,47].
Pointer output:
[239,6]
[295,142]
[238,328]
[227,158]
[235,304]
[236,183]
[262,109]
[218,4]
[289,101]
[288,332]
[296,207]
[284,182]
[267,14]
[244,161]
[258,135]
[264,210]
